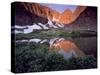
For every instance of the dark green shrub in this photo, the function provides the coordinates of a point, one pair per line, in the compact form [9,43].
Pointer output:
[37,58]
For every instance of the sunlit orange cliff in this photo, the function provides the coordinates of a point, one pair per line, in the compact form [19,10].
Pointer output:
[66,17]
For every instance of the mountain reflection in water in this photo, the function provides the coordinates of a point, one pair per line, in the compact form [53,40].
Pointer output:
[67,48]
[64,47]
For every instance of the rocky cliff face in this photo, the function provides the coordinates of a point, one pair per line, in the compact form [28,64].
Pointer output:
[66,17]
[29,13]
[87,19]
[24,17]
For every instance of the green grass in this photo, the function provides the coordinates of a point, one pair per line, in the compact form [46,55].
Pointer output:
[54,33]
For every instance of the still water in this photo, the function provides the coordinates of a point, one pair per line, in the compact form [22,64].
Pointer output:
[67,47]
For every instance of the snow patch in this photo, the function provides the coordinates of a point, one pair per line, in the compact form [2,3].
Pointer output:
[35,40]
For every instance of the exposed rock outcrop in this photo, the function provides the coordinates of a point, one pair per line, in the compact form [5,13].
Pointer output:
[87,19]
[29,13]
[63,18]
[24,17]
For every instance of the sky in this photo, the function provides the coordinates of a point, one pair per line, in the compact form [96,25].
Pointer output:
[60,8]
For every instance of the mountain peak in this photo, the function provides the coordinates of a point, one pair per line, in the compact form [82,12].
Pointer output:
[67,11]
[66,17]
